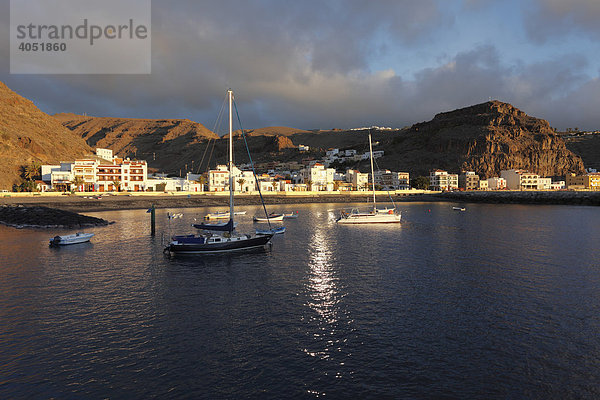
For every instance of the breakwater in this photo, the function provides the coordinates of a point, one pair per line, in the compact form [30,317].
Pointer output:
[523,197]
[43,217]
[132,202]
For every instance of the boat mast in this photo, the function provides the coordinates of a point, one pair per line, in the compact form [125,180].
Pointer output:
[372,172]
[230,93]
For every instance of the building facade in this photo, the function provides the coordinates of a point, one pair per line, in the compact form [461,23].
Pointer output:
[468,180]
[358,180]
[518,179]
[318,177]
[590,181]
[442,180]
[496,183]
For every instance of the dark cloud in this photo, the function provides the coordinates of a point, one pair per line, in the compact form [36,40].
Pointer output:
[550,19]
[310,65]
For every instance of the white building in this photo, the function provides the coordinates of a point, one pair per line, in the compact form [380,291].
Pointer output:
[46,172]
[218,180]
[332,152]
[442,180]
[85,170]
[376,154]
[61,178]
[518,179]
[558,185]
[389,180]
[105,154]
[96,175]
[358,180]
[544,183]
[318,177]
[128,175]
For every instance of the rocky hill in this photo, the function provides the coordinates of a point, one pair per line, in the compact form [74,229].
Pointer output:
[174,145]
[272,131]
[29,135]
[167,140]
[485,138]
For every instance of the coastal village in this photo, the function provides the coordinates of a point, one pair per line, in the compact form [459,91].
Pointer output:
[103,172]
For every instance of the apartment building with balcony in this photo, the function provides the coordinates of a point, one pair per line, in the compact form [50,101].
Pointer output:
[590,181]
[468,180]
[318,177]
[442,180]
[218,180]
[518,179]
[358,180]
[389,180]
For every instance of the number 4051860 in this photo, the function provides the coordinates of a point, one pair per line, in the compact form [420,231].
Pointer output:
[26,46]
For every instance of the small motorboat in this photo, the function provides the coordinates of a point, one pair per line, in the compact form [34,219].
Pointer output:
[273,231]
[222,214]
[271,218]
[79,237]
[459,208]
[217,215]
[291,215]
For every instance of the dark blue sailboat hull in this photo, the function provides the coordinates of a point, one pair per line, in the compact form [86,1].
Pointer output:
[191,247]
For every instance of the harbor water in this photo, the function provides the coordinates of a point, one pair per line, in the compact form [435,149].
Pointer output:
[498,301]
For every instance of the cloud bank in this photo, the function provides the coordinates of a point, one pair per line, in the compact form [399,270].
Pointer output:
[335,64]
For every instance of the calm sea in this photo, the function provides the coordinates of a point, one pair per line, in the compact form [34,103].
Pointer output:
[499,301]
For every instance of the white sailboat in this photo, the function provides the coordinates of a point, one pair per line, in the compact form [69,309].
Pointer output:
[376,216]
[229,240]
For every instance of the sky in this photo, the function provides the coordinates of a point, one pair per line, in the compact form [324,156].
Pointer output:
[323,64]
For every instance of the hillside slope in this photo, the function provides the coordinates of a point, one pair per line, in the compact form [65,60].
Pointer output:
[165,143]
[485,138]
[587,147]
[29,135]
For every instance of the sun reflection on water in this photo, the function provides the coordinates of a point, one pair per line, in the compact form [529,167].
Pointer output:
[326,316]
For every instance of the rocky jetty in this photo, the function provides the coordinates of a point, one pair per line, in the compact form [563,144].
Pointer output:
[523,197]
[20,216]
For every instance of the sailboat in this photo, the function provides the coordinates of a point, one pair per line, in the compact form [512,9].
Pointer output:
[376,216]
[229,240]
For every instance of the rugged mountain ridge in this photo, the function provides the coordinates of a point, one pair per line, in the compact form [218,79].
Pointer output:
[486,138]
[28,135]
[141,138]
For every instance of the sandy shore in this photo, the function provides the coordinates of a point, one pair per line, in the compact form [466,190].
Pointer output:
[124,202]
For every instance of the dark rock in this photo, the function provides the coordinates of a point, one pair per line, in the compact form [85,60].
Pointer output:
[487,138]
[43,217]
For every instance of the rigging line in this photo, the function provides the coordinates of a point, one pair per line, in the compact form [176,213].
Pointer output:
[388,190]
[211,140]
[214,143]
[252,164]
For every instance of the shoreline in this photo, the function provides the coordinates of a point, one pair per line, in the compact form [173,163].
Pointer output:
[80,203]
